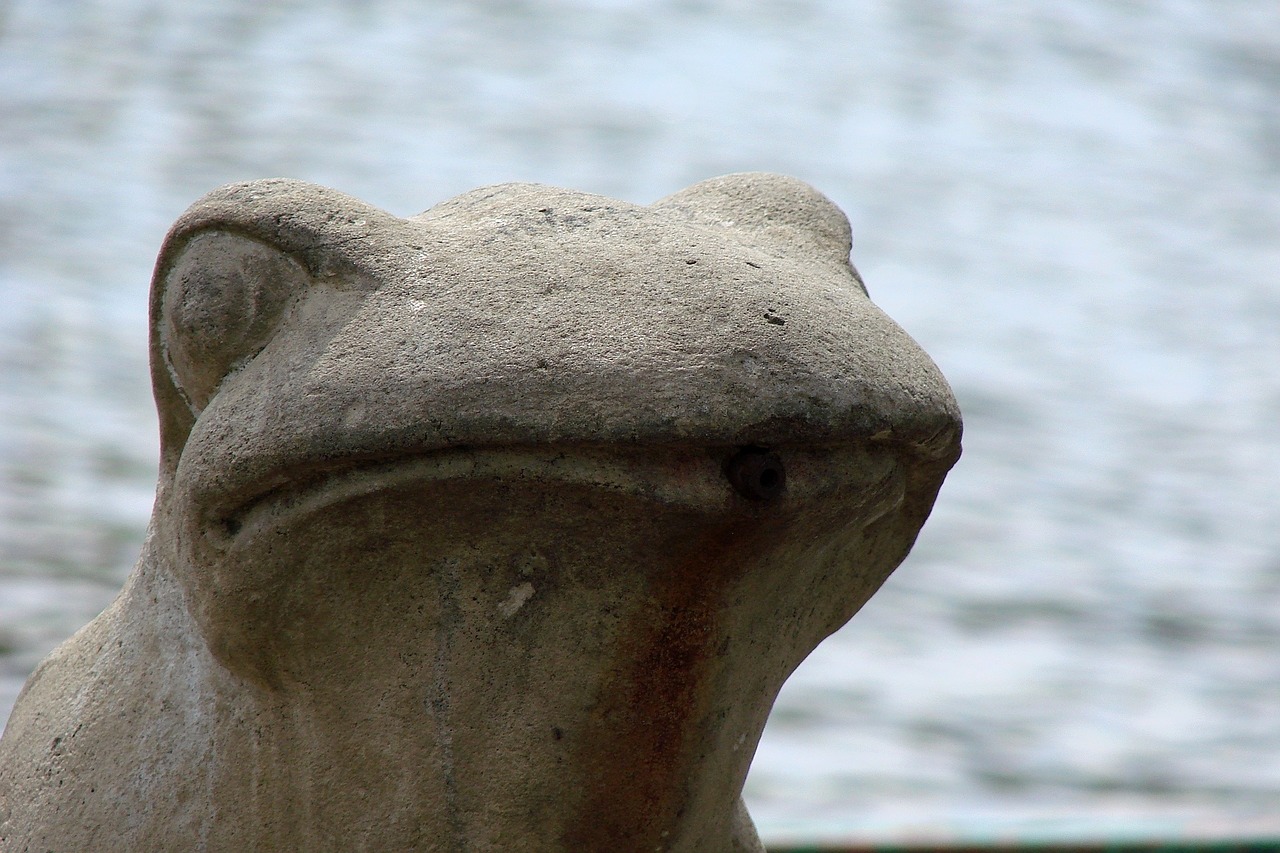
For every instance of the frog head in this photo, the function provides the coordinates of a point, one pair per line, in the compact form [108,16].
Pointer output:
[568,485]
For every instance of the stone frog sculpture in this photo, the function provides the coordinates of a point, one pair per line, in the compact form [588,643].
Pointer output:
[494,528]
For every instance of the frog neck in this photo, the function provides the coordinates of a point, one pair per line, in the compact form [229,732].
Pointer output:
[597,695]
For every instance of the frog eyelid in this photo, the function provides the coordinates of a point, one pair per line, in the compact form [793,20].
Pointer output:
[224,295]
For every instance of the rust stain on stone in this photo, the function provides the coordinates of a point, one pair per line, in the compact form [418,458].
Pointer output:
[646,733]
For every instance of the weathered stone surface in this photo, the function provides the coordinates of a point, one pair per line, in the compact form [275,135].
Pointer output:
[494,528]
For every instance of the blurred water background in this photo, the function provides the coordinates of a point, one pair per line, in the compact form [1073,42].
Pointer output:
[1074,206]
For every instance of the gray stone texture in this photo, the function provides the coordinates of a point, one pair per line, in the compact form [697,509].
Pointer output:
[494,528]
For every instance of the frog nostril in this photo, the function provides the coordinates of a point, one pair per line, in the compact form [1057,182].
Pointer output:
[756,474]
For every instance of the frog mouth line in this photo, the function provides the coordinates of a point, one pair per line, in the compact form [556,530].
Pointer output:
[667,476]
[702,480]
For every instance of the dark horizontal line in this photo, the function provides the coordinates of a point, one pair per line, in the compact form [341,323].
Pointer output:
[1270,845]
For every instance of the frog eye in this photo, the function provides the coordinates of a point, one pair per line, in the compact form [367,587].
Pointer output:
[223,298]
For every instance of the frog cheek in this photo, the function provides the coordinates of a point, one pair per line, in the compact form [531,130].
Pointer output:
[224,296]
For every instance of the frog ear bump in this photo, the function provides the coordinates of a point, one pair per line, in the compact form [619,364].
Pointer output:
[784,215]
[225,275]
